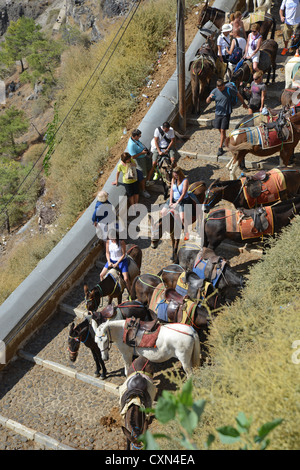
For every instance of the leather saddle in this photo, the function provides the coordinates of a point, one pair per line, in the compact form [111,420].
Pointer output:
[254,183]
[258,215]
[135,329]
[280,125]
[136,387]
[175,303]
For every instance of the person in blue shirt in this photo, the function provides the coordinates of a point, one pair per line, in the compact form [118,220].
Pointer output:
[224,96]
[140,153]
[104,216]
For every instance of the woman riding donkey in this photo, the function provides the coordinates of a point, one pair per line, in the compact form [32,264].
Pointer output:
[180,198]
[116,258]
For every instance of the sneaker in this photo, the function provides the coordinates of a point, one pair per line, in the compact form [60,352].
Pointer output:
[149,183]
[220,152]
[155,177]
[284,51]
[146,194]
[186,237]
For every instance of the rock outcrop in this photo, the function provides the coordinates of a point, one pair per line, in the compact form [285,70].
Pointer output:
[12,10]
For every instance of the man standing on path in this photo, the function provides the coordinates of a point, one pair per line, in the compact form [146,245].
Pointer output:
[290,17]
[225,95]
[140,153]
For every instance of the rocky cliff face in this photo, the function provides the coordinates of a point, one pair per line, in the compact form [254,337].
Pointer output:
[87,14]
[11,10]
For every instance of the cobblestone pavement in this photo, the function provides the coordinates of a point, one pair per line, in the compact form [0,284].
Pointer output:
[78,414]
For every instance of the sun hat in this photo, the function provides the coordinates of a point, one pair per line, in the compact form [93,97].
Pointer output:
[102,196]
[226,28]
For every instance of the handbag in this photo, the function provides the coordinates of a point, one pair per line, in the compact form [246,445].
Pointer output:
[131,173]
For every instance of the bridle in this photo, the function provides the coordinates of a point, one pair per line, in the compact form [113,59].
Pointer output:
[78,340]
[109,341]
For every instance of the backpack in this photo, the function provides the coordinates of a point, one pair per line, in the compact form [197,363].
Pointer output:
[236,55]
[233,96]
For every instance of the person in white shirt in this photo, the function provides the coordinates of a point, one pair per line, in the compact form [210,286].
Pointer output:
[224,42]
[290,17]
[238,40]
[253,45]
[163,144]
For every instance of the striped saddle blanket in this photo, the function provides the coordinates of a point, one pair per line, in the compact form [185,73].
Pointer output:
[266,138]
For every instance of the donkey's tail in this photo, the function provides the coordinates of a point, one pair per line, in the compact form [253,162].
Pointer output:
[196,351]
[273,28]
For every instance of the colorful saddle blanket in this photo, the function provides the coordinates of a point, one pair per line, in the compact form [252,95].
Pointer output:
[182,286]
[206,270]
[269,137]
[269,188]
[237,221]
[252,133]
[140,334]
[261,135]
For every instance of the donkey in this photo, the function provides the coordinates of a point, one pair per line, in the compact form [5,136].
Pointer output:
[134,394]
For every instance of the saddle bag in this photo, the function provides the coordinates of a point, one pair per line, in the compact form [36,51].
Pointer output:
[236,55]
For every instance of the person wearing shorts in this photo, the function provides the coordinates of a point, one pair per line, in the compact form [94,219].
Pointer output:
[116,257]
[223,95]
[253,45]
[140,154]
[179,196]
[163,143]
[258,93]
[127,167]
[289,13]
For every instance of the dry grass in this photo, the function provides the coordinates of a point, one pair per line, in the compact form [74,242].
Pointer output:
[95,124]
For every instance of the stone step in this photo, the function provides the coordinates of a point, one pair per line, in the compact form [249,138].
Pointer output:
[72,373]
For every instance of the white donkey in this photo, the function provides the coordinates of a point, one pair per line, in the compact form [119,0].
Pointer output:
[173,340]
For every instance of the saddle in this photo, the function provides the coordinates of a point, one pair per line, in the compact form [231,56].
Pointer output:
[281,126]
[117,277]
[259,218]
[209,266]
[254,183]
[139,333]
[137,387]
[108,312]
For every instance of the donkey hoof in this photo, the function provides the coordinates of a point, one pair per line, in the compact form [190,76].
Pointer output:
[103,376]
[97,374]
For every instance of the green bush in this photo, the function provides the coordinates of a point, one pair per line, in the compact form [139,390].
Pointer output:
[251,349]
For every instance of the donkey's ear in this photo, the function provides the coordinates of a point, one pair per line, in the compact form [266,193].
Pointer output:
[129,436]
[86,289]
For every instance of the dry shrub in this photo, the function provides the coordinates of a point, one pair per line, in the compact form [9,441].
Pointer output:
[22,259]
[97,119]
[251,348]
[95,123]
[251,367]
